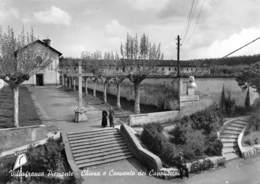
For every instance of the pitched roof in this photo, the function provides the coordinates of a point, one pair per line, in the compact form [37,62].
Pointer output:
[46,45]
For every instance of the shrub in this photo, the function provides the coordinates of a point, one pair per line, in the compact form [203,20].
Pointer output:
[155,141]
[153,138]
[45,157]
[197,134]
[209,120]
[213,145]
[6,165]
[40,159]
[201,165]
[194,145]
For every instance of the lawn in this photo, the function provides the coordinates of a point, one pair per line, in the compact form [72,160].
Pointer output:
[27,111]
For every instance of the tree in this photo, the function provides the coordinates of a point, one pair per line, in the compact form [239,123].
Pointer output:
[250,76]
[19,60]
[143,49]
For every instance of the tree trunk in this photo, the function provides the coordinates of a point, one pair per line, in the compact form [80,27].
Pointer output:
[137,97]
[74,84]
[86,85]
[105,92]
[16,105]
[80,88]
[95,88]
[118,96]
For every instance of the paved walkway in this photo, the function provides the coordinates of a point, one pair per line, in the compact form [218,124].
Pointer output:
[57,107]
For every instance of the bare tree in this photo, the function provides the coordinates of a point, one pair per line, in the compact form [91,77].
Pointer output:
[19,60]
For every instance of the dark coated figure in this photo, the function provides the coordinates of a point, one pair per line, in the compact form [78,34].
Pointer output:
[181,165]
[111,117]
[104,119]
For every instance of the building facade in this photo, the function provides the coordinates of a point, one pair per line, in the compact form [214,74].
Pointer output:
[48,75]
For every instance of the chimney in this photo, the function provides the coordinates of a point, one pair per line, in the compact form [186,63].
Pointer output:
[47,41]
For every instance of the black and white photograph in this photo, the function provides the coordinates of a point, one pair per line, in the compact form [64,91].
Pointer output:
[129,91]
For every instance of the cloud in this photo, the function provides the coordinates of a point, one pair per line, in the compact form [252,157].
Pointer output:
[7,13]
[154,5]
[115,34]
[114,28]
[54,15]
[219,48]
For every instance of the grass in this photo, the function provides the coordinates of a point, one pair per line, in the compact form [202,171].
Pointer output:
[27,111]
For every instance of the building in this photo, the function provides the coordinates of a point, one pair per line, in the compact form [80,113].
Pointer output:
[50,74]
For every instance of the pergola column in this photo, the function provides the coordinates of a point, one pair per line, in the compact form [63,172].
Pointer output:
[74,83]
[79,86]
[118,104]
[70,82]
[62,80]
[105,91]
[118,81]
[86,85]
[95,87]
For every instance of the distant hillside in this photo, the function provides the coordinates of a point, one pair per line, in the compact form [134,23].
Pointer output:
[229,61]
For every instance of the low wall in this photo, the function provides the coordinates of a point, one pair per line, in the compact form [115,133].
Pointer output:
[14,137]
[146,157]
[156,117]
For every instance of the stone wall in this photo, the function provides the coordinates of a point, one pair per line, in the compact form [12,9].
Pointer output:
[208,90]
[15,137]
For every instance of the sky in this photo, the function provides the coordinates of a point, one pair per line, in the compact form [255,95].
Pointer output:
[215,27]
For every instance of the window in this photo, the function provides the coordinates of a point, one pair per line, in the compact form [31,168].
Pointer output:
[38,60]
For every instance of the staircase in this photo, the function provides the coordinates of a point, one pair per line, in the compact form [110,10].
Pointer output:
[229,137]
[97,147]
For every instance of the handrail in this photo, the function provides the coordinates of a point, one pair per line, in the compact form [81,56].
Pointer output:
[70,159]
[246,151]
[239,141]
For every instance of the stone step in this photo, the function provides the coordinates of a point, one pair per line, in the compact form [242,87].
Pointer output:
[122,144]
[105,137]
[229,144]
[83,152]
[86,141]
[91,132]
[228,136]
[228,140]
[228,150]
[230,156]
[240,122]
[98,156]
[104,161]
[231,132]
[239,129]
[91,136]
[237,125]
[82,146]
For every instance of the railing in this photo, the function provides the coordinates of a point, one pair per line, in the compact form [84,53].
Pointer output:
[246,151]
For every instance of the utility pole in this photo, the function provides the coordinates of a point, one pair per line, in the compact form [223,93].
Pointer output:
[178,56]
[178,72]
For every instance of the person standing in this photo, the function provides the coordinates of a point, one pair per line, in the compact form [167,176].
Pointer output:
[181,165]
[104,119]
[111,117]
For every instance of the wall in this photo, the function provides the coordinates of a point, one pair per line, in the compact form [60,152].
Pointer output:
[211,88]
[51,74]
[152,93]
[14,137]
[156,117]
